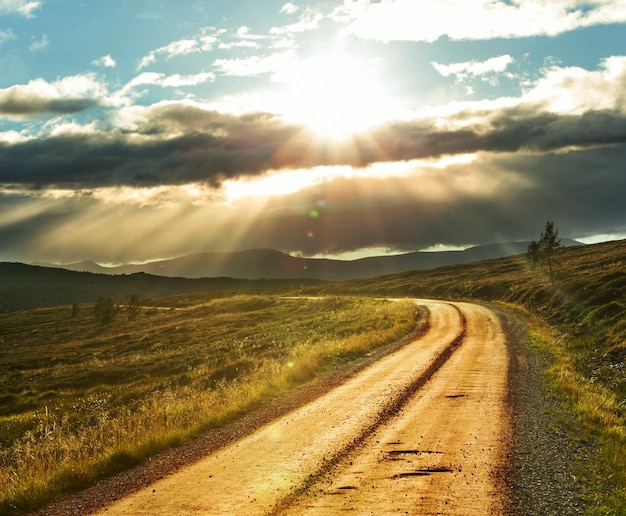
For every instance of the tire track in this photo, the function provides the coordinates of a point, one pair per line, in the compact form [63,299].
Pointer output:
[443,451]
[386,413]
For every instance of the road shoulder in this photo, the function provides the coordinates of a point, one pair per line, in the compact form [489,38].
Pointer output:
[541,475]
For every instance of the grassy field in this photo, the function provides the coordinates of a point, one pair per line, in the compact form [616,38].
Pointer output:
[583,326]
[80,400]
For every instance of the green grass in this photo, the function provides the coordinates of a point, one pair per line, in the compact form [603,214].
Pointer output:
[600,418]
[82,401]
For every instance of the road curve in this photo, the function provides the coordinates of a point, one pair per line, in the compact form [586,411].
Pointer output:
[421,431]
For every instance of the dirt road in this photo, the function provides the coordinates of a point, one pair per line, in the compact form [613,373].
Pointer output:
[422,431]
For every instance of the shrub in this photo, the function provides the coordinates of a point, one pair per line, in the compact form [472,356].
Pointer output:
[105,310]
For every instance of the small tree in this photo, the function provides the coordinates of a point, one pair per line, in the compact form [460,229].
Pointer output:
[133,307]
[546,249]
[105,310]
[534,253]
[550,243]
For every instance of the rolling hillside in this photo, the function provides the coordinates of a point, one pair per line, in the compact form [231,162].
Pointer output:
[28,286]
[31,286]
[270,264]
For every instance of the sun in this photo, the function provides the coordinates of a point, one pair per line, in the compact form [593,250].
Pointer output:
[335,94]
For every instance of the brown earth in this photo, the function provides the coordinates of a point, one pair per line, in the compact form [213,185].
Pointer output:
[424,430]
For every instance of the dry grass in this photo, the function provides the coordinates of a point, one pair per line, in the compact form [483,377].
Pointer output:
[585,329]
[600,417]
[82,401]
[191,362]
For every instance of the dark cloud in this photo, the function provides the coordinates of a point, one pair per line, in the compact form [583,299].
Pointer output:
[180,143]
[530,167]
[498,197]
[14,105]
[66,96]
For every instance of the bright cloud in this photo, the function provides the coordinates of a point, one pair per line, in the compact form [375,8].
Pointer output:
[256,65]
[106,61]
[175,48]
[12,137]
[575,90]
[22,7]
[289,8]
[474,68]
[171,81]
[309,20]
[203,42]
[238,44]
[428,20]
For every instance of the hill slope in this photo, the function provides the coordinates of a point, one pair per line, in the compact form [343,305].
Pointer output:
[29,286]
[270,264]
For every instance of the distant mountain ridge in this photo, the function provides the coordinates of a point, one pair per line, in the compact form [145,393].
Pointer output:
[270,264]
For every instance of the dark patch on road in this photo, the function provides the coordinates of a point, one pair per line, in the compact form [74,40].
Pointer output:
[411,452]
[422,472]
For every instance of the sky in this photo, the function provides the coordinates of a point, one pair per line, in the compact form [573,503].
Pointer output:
[137,130]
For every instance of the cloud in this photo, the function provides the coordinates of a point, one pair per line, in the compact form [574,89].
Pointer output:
[289,8]
[106,61]
[38,45]
[22,7]
[170,81]
[238,44]
[11,137]
[309,20]
[175,48]
[7,35]
[174,143]
[474,68]
[575,90]
[204,41]
[255,65]
[496,197]
[406,20]
[178,143]
[67,95]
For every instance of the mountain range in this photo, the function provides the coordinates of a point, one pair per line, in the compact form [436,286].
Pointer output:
[271,264]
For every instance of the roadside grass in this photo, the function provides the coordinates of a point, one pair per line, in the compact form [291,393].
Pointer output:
[600,417]
[81,401]
[585,316]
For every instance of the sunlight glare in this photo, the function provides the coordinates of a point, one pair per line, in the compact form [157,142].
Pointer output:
[335,95]
[291,181]
[277,183]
